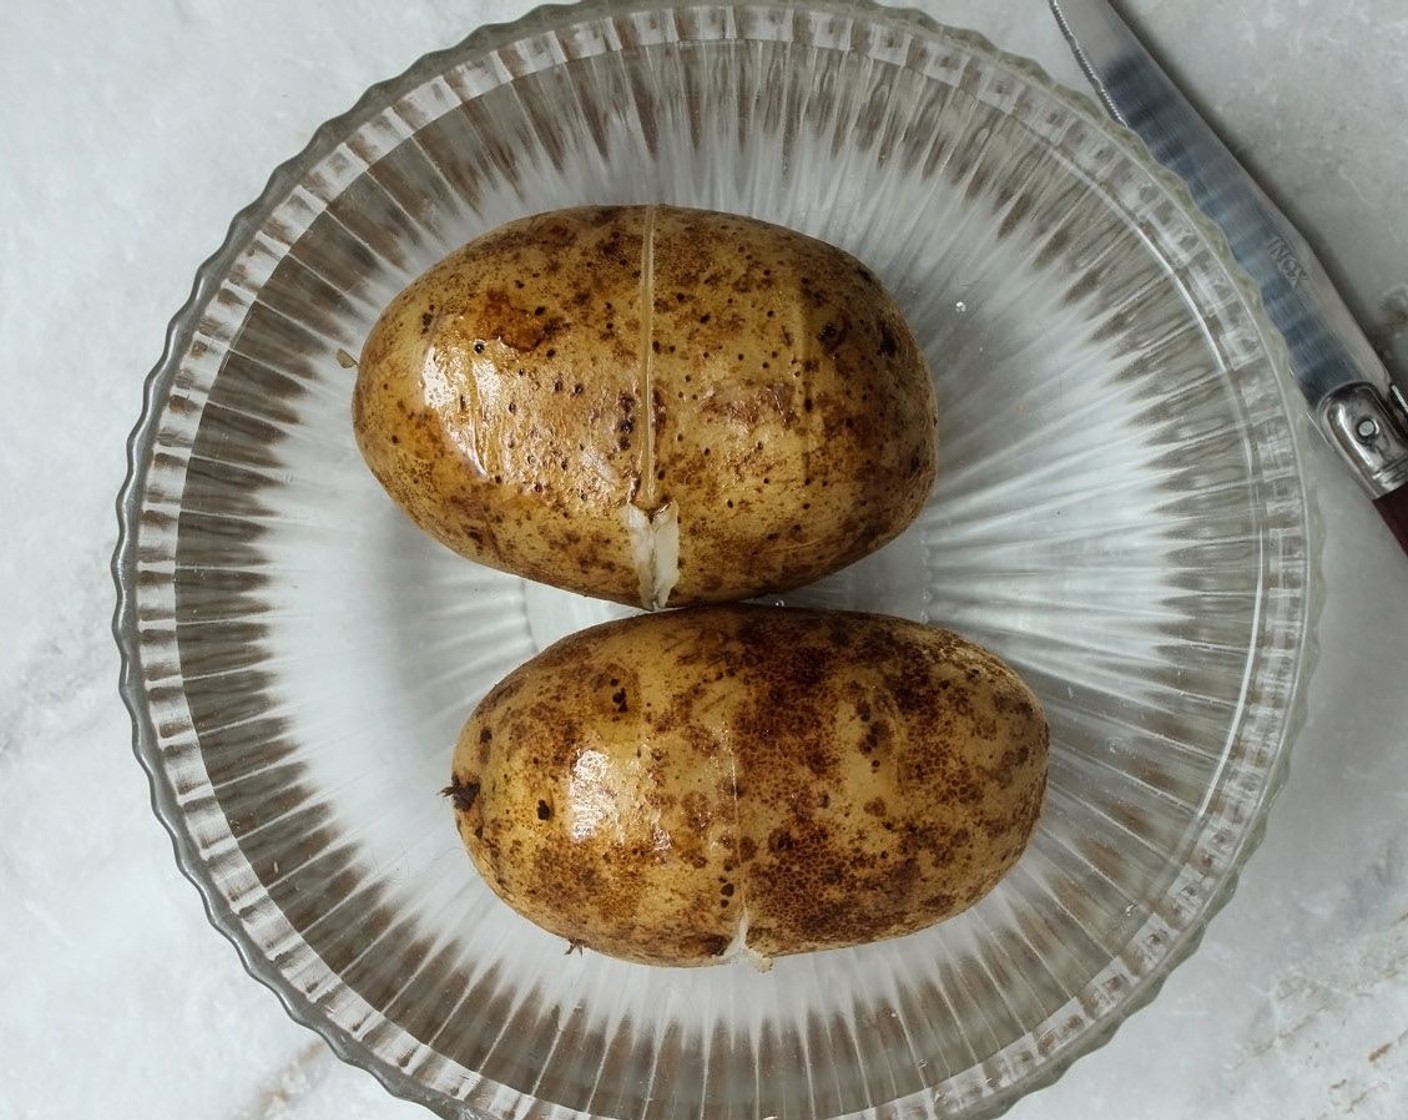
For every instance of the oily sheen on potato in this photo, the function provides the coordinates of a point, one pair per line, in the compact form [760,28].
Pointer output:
[687,787]
[649,404]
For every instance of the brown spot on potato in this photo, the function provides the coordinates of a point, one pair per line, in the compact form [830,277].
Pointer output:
[462,793]
[712,945]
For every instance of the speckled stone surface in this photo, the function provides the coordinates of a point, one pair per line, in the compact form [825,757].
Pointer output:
[130,133]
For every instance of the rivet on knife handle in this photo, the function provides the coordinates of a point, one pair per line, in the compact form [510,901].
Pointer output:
[1366,432]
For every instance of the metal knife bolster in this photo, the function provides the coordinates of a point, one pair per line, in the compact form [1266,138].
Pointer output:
[1370,434]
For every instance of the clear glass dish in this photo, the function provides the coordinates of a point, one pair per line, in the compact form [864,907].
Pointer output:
[1122,514]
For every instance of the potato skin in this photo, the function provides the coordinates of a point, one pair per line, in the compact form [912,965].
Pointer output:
[837,778]
[796,425]
[497,399]
[521,394]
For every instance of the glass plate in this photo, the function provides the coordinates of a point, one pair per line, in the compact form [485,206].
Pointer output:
[1121,514]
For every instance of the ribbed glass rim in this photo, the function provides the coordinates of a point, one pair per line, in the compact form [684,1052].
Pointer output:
[478,45]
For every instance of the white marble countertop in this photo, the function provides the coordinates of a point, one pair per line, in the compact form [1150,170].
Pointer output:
[131,132]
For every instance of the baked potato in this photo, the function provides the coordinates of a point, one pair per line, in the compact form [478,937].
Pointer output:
[650,405]
[686,787]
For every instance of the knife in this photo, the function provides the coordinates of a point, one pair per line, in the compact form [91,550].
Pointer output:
[1356,404]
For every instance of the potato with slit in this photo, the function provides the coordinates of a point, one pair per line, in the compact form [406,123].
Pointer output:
[687,787]
[650,404]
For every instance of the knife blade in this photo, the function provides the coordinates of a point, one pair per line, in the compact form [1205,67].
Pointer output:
[1350,393]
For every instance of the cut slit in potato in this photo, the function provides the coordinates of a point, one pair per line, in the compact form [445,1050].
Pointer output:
[655,547]
[752,393]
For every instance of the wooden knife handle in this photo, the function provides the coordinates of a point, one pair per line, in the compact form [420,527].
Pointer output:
[1393,508]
